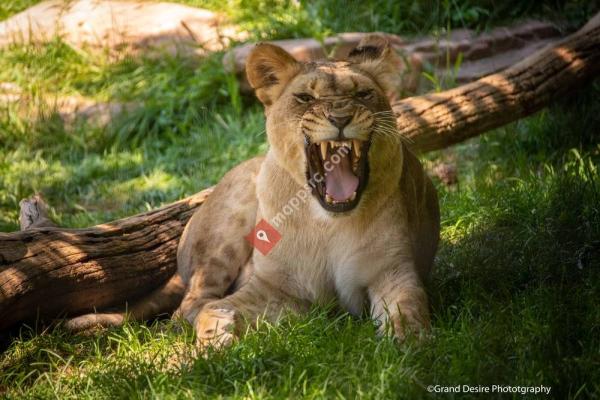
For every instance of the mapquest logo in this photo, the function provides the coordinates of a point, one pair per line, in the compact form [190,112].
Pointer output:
[263,237]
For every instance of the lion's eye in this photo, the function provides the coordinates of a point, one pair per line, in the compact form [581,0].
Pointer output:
[304,97]
[364,94]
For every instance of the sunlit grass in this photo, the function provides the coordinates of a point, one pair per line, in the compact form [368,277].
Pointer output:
[514,301]
[84,186]
[514,296]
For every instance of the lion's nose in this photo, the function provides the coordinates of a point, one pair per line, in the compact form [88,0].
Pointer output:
[340,122]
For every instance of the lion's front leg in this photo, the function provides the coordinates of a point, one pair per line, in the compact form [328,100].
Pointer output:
[399,303]
[220,321]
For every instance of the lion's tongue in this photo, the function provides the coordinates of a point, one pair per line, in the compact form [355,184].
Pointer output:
[340,182]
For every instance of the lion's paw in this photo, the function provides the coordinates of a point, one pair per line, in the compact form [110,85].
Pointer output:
[215,328]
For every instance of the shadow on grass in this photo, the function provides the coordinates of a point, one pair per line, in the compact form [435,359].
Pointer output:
[514,302]
[516,298]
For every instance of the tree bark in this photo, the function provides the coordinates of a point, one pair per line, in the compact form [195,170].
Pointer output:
[435,121]
[51,271]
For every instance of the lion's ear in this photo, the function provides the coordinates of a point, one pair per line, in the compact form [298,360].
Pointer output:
[269,69]
[375,56]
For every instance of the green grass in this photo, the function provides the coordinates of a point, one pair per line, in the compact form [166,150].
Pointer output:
[267,19]
[516,287]
[11,7]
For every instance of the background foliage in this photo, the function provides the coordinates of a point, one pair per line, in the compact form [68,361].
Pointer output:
[515,292]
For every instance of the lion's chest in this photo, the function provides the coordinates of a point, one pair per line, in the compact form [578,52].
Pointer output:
[326,263]
[319,257]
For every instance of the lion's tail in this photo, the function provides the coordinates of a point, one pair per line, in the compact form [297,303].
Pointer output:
[162,300]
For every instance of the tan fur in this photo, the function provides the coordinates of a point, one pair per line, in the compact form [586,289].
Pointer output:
[160,301]
[378,255]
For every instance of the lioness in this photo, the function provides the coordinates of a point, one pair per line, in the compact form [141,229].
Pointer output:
[364,225]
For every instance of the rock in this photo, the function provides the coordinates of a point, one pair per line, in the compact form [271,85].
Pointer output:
[475,47]
[74,109]
[472,70]
[446,172]
[121,27]
[71,109]
[481,54]
[9,92]
[34,213]
[335,47]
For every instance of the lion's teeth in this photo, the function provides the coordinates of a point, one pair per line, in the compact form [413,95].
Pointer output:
[324,150]
[353,196]
[339,143]
[328,198]
[356,147]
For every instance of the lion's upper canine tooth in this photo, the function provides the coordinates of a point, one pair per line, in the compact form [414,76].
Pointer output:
[356,147]
[323,147]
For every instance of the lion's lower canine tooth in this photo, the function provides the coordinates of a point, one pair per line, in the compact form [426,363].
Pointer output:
[323,147]
[353,196]
[356,147]
[328,198]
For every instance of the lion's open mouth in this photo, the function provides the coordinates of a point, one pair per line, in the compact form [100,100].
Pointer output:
[337,171]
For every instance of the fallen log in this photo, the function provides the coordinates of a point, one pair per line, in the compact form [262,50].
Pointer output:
[436,121]
[51,271]
[480,54]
